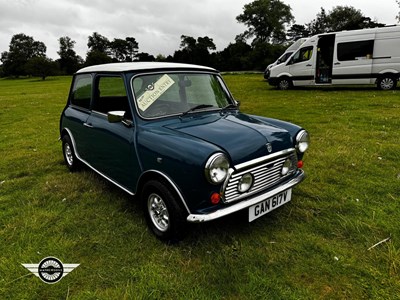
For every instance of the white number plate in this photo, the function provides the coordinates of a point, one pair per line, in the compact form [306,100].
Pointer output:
[269,204]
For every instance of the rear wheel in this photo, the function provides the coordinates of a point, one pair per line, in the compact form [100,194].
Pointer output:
[285,84]
[164,215]
[69,153]
[387,83]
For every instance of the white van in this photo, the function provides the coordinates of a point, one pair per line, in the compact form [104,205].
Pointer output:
[365,56]
[284,57]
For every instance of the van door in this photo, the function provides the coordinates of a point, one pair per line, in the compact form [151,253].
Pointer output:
[352,63]
[302,66]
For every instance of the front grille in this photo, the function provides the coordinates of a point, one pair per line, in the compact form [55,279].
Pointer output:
[266,174]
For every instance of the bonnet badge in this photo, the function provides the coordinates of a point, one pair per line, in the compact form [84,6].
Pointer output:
[269,147]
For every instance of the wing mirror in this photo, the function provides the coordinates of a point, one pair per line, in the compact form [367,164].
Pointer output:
[115,116]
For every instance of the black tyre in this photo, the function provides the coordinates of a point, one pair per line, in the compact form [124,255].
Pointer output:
[387,83]
[164,215]
[285,84]
[70,159]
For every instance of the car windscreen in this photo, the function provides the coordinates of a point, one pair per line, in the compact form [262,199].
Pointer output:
[165,94]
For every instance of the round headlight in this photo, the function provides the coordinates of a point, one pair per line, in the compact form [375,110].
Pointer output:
[245,183]
[287,166]
[302,141]
[216,169]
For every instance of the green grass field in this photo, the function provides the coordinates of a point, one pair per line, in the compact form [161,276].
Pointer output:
[315,247]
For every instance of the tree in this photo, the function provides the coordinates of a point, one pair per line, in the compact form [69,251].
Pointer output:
[266,20]
[124,50]
[195,51]
[21,49]
[398,15]
[340,18]
[143,56]
[319,24]
[349,18]
[297,31]
[41,66]
[69,62]
[99,50]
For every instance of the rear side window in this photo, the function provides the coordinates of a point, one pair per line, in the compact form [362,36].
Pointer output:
[82,91]
[355,50]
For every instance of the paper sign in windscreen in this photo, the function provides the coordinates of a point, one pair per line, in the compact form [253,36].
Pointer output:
[154,92]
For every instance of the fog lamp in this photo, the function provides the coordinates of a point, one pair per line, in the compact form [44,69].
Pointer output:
[245,183]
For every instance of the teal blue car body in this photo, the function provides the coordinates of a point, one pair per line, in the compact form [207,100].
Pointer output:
[175,147]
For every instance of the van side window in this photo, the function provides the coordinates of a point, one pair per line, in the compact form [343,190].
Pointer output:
[355,50]
[82,91]
[110,95]
[304,54]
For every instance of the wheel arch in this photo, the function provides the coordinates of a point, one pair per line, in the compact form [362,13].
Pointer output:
[159,176]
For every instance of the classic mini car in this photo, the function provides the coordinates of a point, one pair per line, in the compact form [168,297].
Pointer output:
[173,135]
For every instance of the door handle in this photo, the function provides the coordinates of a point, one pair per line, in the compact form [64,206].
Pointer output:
[337,63]
[308,65]
[88,125]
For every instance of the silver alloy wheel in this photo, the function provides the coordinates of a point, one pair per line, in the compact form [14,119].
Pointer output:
[68,154]
[387,83]
[158,212]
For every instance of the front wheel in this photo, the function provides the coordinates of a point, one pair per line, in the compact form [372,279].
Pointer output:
[285,84]
[387,83]
[164,215]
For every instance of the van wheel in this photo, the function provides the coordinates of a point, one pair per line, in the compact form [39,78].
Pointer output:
[164,215]
[387,83]
[285,84]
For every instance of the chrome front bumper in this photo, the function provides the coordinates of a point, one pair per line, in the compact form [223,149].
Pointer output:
[199,218]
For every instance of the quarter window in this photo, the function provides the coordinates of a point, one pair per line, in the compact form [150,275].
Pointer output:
[355,50]
[82,91]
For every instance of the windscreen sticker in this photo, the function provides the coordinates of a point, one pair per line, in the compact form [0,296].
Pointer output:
[154,91]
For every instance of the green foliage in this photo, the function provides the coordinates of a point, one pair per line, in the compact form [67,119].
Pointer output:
[340,18]
[315,247]
[69,61]
[266,20]
[22,48]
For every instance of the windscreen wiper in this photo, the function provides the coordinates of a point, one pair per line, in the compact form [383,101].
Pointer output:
[200,106]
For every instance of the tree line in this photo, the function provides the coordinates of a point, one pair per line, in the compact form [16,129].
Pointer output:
[270,29]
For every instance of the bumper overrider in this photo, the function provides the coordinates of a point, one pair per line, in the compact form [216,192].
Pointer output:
[296,179]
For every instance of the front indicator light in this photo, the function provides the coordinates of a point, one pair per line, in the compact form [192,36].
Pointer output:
[300,164]
[215,198]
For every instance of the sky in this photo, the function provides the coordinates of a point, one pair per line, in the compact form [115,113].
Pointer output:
[156,25]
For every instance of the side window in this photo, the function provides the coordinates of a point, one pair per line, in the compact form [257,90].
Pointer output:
[355,50]
[304,54]
[82,91]
[110,95]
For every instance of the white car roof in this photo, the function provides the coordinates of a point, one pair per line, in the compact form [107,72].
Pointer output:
[134,66]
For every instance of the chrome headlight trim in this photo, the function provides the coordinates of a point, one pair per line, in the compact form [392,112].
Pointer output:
[302,141]
[217,168]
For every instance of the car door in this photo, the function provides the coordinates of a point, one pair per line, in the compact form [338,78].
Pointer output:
[112,144]
[302,66]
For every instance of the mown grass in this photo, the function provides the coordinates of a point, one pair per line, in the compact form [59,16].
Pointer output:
[315,247]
